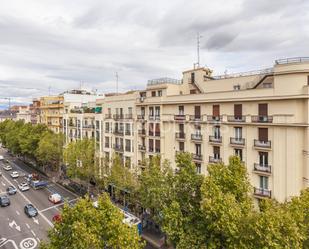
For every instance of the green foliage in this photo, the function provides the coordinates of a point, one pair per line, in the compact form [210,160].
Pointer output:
[50,150]
[84,226]
[80,156]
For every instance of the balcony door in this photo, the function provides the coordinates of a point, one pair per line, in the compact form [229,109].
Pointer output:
[263,112]
[217,132]
[263,156]
[197,112]
[264,182]
[216,152]
[238,133]
[215,110]
[263,135]
[181,110]
[238,111]
[198,149]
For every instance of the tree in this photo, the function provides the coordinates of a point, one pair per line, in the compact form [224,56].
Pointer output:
[12,136]
[84,226]
[50,150]
[154,187]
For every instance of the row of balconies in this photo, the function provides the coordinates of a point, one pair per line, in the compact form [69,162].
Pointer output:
[142,132]
[119,147]
[120,132]
[118,116]
[230,118]
[197,137]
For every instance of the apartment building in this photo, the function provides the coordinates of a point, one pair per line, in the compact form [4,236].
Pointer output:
[23,114]
[35,111]
[51,112]
[261,116]
[115,127]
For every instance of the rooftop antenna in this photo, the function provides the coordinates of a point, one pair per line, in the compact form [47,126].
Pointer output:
[117,78]
[198,41]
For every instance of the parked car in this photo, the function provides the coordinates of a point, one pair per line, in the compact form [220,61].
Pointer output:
[57,218]
[55,198]
[4,201]
[14,174]
[11,190]
[7,167]
[30,210]
[1,158]
[23,186]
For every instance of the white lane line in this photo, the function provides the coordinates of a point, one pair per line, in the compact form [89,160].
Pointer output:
[3,184]
[17,212]
[33,233]
[27,200]
[56,206]
[27,225]
[38,239]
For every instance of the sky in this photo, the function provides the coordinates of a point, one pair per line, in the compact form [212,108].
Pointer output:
[49,46]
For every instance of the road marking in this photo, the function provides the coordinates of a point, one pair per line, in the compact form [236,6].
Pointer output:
[33,233]
[28,243]
[13,223]
[17,212]
[55,206]
[27,200]
[3,184]
[38,239]
[4,241]
[35,220]
[27,225]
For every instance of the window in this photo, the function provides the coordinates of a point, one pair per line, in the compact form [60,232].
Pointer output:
[264,182]
[130,110]
[263,158]
[157,146]
[238,133]
[263,134]
[236,87]
[192,80]
[151,129]
[160,93]
[97,124]
[157,111]
[143,111]
[181,146]
[151,112]
[215,110]
[153,94]
[181,110]
[238,152]
[128,129]
[192,91]
[307,79]
[263,110]
[157,130]
[150,143]
[216,132]
[197,112]
[198,168]
[216,150]
[128,145]
[107,127]
[106,142]
[181,128]
[198,149]
[238,111]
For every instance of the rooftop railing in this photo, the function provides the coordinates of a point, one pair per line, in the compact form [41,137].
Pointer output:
[164,80]
[249,73]
[292,60]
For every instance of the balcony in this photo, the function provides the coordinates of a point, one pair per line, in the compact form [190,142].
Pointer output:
[118,147]
[88,126]
[106,145]
[259,168]
[141,163]
[118,116]
[262,119]
[128,148]
[142,147]
[196,137]
[154,118]
[108,116]
[216,159]
[180,135]
[142,132]
[260,192]
[140,117]
[106,130]
[214,119]
[118,132]
[197,157]
[129,116]
[196,118]
[237,119]
[180,117]
[215,139]
[262,144]
[157,134]
[128,132]
[237,141]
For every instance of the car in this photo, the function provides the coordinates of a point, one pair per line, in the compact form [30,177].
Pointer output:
[11,190]
[1,158]
[7,167]
[23,186]
[55,198]
[57,218]
[4,201]
[30,211]
[14,174]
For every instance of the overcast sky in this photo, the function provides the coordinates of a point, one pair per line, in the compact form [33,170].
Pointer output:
[61,44]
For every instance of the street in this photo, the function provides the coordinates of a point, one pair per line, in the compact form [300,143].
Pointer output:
[17,231]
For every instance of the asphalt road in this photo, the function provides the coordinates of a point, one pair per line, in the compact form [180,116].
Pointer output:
[17,231]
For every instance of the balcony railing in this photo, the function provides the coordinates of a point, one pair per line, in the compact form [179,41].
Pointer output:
[129,116]
[237,141]
[262,168]
[262,119]
[262,192]
[142,132]
[128,149]
[140,117]
[118,147]
[180,117]
[197,157]
[141,163]
[150,149]
[196,118]
[213,159]
[215,139]
[88,126]
[142,147]
[156,117]
[106,145]
[196,137]
[108,116]
[128,132]
[236,118]
[118,132]
[211,118]
[262,144]
[157,150]
[118,116]
[180,135]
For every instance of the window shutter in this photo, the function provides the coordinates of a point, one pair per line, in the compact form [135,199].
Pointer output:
[216,110]
[157,142]
[263,134]
[238,110]
[263,110]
